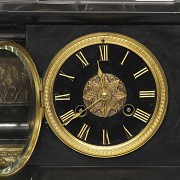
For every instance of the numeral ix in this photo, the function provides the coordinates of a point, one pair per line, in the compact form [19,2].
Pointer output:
[66,118]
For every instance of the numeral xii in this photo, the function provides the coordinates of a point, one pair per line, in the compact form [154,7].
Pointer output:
[103,49]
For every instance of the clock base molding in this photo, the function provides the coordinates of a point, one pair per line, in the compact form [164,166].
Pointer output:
[107,173]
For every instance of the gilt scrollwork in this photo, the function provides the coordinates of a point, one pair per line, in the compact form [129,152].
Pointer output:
[8,156]
[115,91]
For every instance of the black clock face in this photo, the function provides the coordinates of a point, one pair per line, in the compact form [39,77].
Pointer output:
[104,94]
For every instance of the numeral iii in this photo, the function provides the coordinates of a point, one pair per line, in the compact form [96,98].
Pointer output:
[147,94]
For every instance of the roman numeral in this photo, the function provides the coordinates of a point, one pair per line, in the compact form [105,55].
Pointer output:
[141,72]
[82,59]
[105,137]
[103,52]
[65,118]
[84,132]
[147,94]
[129,135]
[141,115]
[67,76]
[122,63]
[63,97]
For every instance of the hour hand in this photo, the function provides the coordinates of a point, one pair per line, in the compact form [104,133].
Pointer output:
[100,73]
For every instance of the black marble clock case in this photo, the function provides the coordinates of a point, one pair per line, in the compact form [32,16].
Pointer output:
[159,158]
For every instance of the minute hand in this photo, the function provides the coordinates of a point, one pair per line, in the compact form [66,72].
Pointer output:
[79,113]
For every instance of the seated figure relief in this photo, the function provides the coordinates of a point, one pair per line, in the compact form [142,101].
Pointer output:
[13,85]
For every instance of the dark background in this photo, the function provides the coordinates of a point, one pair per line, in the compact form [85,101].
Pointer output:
[158,159]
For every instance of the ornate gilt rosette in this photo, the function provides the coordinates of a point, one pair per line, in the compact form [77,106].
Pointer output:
[113,95]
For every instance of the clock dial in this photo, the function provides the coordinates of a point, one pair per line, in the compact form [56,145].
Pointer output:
[105,95]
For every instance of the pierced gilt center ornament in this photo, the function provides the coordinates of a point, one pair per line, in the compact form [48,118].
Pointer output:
[112,92]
